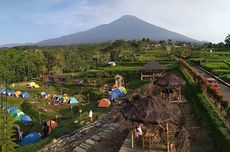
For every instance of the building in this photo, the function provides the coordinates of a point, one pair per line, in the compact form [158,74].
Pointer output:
[152,70]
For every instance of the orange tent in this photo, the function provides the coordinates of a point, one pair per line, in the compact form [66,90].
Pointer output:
[114,86]
[17,94]
[104,103]
[52,124]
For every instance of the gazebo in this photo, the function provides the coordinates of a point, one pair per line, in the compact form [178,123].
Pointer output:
[152,111]
[171,86]
[152,70]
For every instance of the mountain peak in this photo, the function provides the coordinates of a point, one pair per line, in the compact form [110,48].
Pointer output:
[127,27]
[128,17]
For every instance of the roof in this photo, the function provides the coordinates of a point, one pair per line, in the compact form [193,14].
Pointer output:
[150,110]
[152,65]
[169,80]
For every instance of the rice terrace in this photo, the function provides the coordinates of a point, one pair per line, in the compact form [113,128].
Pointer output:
[124,86]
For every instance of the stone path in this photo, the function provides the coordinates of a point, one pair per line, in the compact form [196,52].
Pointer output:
[103,131]
[81,141]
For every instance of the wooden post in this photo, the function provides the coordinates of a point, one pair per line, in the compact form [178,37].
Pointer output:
[141,76]
[132,142]
[179,92]
[167,137]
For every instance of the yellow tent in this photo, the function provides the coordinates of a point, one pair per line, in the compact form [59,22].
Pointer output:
[33,84]
[123,89]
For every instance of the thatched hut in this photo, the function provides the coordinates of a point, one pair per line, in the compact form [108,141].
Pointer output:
[152,70]
[171,86]
[151,110]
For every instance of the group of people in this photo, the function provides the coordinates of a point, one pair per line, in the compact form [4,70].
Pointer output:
[44,134]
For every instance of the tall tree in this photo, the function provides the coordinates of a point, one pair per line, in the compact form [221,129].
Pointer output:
[227,41]
[7,130]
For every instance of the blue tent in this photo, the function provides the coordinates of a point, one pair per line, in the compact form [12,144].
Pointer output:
[11,108]
[116,94]
[31,138]
[72,100]
[10,92]
[26,119]
[25,95]
[2,91]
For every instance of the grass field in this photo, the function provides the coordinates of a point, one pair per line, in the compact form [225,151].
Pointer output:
[215,62]
[39,109]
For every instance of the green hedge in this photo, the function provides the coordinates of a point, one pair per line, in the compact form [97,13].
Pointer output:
[208,114]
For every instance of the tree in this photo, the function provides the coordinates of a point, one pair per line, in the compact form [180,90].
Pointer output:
[227,41]
[7,130]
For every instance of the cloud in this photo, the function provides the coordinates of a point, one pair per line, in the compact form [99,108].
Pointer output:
[200,19]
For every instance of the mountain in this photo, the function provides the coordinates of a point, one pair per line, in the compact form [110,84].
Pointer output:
[15,44]
[127,27]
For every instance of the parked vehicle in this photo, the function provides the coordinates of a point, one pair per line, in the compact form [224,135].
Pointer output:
[213,82]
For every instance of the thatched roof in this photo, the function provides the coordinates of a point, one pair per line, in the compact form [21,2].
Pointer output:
[169,80]
[152,65]
[150,110]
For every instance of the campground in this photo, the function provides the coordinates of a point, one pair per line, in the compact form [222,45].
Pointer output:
[87,94]
[96,82]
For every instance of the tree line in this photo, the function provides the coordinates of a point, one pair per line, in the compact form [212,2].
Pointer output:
[25,62]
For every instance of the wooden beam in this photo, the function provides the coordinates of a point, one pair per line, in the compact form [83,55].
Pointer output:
[167,137]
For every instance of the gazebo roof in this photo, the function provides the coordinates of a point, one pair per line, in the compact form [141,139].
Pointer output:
[150,110]
[169,80]
[152,65]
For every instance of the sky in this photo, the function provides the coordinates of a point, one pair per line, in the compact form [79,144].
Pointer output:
[23,21]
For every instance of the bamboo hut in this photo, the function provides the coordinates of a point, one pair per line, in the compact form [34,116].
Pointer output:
[171,86]
[152,111]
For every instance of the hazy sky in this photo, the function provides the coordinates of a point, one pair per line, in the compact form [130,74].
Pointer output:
[34,20]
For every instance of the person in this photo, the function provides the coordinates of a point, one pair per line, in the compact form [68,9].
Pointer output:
[20,133]
[139,130]
[90,116]
[45,130]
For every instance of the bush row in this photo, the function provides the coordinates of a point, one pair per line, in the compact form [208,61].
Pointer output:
[203,84]
[208,115]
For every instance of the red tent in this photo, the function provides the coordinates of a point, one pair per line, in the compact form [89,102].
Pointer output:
[52,124]
[104,103]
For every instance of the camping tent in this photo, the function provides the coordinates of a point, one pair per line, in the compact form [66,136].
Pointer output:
[116,94]
[25,95]
[31,138]
[17,94]
[52,124]
[33,85]
[19,117]
[104,103]
[25,119]
[65,99]
[123,89]
[11,108]
[58,98]
[10,92]
[73,100]
[14,112]
[2,91]
[19,114]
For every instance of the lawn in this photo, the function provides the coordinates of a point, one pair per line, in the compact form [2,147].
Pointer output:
[215,62]
[39,109]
